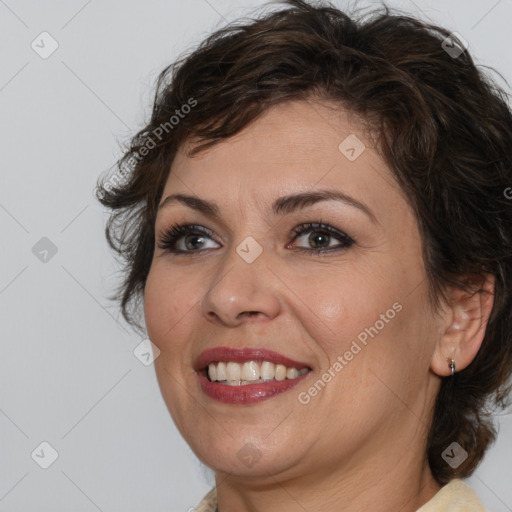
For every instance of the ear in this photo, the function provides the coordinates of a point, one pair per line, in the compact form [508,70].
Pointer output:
[463,323]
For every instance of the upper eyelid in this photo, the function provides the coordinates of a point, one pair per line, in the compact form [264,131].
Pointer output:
[309,225]
[298,230]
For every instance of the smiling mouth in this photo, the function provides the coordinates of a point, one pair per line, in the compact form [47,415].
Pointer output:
[231,373]
[248,375]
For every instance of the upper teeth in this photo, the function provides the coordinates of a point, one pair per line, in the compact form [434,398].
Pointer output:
[251,371]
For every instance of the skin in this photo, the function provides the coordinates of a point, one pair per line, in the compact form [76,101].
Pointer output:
[361,441]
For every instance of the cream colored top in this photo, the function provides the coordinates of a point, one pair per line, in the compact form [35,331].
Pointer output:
[453,497]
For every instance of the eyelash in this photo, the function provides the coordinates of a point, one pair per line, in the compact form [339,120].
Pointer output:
[168,240]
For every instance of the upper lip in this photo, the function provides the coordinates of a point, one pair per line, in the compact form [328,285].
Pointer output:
[242,355]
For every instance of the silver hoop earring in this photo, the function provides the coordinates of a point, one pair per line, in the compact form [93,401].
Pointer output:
[451,364]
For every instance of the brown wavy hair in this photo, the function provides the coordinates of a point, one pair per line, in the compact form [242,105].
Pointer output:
[443,127]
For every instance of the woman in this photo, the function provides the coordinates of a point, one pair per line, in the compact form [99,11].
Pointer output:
[316,221]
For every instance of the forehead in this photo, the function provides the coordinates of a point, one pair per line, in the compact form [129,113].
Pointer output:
[294,147]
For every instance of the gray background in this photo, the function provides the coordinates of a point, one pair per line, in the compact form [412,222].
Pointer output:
[68,374]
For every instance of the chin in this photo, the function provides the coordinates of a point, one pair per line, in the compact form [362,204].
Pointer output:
[240,457]
[252,463]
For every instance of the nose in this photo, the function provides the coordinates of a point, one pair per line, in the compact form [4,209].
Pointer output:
[240,290]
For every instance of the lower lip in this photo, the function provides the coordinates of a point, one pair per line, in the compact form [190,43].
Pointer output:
[248,393]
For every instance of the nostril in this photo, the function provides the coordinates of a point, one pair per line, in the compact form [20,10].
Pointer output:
[249,313]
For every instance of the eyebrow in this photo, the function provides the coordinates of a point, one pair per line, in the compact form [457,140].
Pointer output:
[281,206]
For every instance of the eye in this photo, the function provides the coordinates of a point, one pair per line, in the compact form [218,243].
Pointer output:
[184,238]
[320,237]
[192,238]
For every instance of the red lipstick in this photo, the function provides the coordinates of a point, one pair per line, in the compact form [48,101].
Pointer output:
[248,393]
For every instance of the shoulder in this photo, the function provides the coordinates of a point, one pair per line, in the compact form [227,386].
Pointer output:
[454,497]
[208,503]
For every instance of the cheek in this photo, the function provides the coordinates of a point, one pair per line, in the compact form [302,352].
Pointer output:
[166,303]
[376,317]
[342,305]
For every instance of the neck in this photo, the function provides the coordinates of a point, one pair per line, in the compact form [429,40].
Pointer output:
[384,476]
[388,493]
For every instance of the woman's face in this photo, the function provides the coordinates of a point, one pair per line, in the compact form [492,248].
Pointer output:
[355,317]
